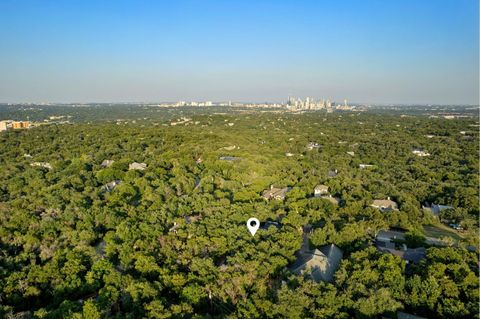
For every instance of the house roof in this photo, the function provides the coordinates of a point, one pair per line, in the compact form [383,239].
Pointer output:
[385,203]
[313,145]
[414,255]
[228,158]
[436,209]
[275,193]
[321,188]
[139,166]
[192,219]
[110,186]
[404,315]
[387,235]
[332,173]
[107,163]
[321,263]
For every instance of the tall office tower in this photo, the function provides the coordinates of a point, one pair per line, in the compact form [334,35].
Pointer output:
[290,102]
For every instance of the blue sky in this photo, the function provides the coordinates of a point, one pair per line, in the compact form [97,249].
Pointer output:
[371,51]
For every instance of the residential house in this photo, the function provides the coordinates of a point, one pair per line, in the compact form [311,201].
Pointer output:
[192,219]
[385,205]
[111,186]
[107,163]
[363,166]
[3,126]
[320,264]
[404,315]
[228,158]
[313,145]
[332,173]
[320,190]
[410,255]
[385,238]
[436,209]
[420,152]
[275,193]
[42,164]
[385,242]
[137,166]
[414,255]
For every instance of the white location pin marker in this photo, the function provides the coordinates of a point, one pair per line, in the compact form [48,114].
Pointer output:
[253,224]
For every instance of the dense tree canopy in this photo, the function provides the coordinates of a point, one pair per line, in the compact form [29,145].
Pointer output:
[170,241]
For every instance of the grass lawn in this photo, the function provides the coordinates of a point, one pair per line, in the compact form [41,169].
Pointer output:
[440,230]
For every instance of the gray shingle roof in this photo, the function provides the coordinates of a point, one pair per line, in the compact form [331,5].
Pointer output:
[321,263]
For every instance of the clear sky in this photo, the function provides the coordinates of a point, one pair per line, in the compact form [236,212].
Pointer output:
[372,51]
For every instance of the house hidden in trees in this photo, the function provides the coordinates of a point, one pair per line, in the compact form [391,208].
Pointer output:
[410,255]
[436,209]
[313,145]
[404,315]
[333,173]
[363,166]
[228,158]
[111,186]
[275,193]
[42,164]
[107,163]
[137,166]
[320,190]
[420,152]
[320,264]
[385,205]
[385,242]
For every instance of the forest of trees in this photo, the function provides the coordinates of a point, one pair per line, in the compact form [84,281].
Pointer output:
[170,241]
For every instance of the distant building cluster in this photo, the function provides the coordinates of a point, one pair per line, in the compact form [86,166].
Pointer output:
[292,104]
[193,103]
[15,125]
[296,104]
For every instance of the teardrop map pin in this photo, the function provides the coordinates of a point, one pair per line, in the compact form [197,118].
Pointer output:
[253,224]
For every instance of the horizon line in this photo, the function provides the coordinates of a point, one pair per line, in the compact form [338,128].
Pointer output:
[233,102]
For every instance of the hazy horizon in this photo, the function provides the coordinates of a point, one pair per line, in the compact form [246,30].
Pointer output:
[375,52]
[40,103]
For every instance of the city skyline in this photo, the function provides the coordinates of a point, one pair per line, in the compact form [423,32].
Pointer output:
[400,52]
